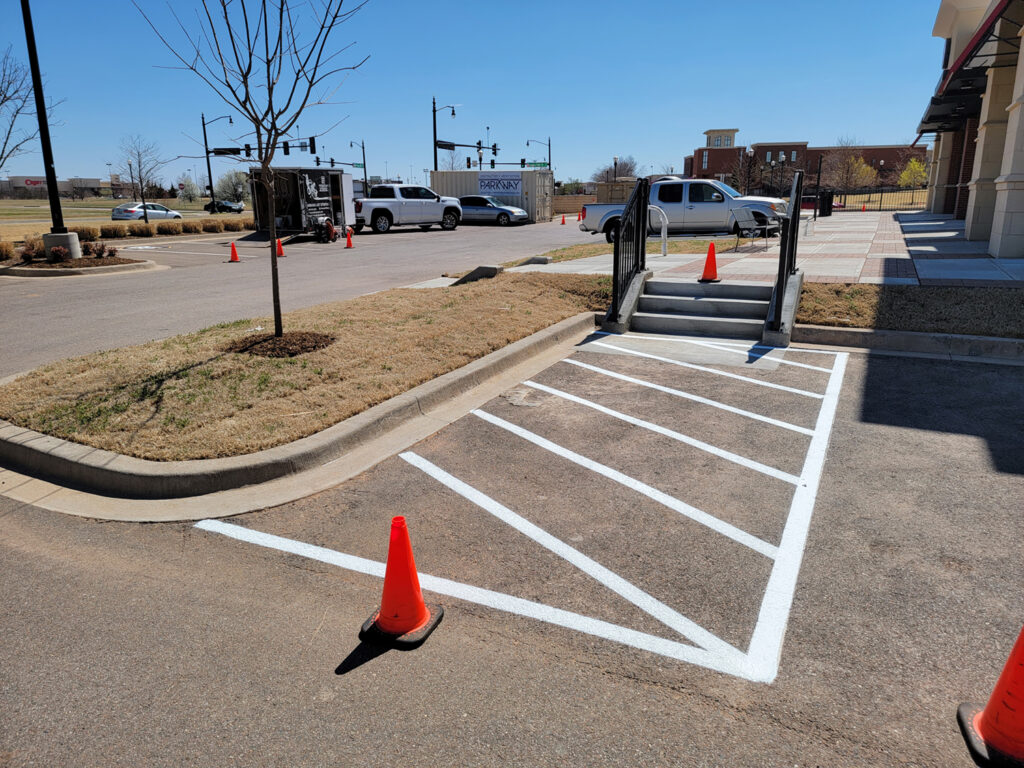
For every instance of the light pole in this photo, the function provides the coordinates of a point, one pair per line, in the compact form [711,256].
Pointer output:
[774,163]
[615,168]
[362,146]
[206,146]
[435,109]
[110,180]
[548,143]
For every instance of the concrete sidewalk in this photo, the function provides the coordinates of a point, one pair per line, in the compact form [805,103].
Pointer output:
[882,248]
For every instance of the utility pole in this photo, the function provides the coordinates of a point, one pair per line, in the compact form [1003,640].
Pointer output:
[209,172]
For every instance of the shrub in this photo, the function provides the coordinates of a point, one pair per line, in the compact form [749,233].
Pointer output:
[169,227]
[58,254]
[249,223]
[86,233]
[113,230]
[6,251]
[233,225]
[111,252]
[34,243]
[98,249]
[192,227]
[86,249]
[213,225]
[141,229]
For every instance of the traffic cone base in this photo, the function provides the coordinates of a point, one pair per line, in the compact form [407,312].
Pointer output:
[995,733]
[984,755]
[710,267]
[372,633]
[348,237]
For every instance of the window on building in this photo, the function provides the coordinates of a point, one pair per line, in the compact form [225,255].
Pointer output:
[782,155]
[792,156]
[704,162]
[718,141]
[768,156]
[728,141]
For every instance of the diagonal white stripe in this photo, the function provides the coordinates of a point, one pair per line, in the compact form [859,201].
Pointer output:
[695,398]
[705,369]
[745,353]
[692,441]
[645,602]
[719,526]
[729,664]
[719,342]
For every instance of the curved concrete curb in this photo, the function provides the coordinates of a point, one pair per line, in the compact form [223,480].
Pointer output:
[114,474]
[911,341]
[68,271]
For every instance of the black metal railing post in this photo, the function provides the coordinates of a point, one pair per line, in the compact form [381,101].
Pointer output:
[630,246]
[787,248]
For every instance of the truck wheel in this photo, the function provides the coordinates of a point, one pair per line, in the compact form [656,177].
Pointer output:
[611,231]
[449,221]
[381,223]
[503,220]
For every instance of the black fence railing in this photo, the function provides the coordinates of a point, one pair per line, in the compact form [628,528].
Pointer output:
[872,199]
[630,244]
[787,250]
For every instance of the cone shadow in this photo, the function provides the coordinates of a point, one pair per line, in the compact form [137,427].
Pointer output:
[360,655]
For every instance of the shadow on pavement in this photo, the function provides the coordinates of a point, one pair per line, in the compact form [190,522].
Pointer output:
[360,655]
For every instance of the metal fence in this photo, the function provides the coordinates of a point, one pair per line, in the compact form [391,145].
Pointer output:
[787,251]
[874,199]
[630,244]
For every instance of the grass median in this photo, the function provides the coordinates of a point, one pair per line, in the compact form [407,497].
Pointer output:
[188,398]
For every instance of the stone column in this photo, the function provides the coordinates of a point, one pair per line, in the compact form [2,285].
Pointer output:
[988,155]
[943,155]
[1007,239]
[933,173]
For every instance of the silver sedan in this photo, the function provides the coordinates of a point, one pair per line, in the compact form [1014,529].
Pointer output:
[483,209]
[131,211]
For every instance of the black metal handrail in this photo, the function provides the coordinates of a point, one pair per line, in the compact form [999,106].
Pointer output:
[787,248]
[630,252]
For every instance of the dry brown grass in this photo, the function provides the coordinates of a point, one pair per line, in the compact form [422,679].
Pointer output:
[928,309]
[184,398]
[586,250]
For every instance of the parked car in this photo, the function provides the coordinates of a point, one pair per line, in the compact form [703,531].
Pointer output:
[132,211]
[394,204]
[490,210]
[691,205]
[224,206]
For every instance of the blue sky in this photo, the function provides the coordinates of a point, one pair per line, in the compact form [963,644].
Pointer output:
[600,78]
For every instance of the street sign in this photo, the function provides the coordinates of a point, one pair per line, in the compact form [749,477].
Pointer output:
[181,186]
[445,144]
[536,165]
[357,165]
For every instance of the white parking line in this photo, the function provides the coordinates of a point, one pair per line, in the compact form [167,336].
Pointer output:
[691,441]
[667,616]
[729,663]
[721,343]
[695,398]
[765,355]
[705,369]
[712,522]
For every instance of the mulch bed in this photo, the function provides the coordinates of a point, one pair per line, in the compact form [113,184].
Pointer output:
[83,263]
[290,344]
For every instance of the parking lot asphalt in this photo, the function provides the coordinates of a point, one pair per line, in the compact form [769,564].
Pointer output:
[654,552]
[63,317]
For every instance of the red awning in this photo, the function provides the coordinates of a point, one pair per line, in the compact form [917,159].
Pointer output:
[973,50]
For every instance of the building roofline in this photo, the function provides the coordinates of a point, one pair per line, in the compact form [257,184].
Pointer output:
[721,130]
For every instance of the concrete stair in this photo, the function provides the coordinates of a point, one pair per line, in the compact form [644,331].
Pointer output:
[689,308]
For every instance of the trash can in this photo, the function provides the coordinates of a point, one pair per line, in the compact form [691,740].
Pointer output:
[825,202]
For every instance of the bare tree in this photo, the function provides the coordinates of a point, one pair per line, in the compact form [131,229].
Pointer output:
[255,57]
[626,166]
[449,161]
[16,100]
[844,168]
[140,159]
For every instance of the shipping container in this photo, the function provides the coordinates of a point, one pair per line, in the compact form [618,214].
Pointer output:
[532,190]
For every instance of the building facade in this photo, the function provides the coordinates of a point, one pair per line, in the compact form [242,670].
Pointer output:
[977,167]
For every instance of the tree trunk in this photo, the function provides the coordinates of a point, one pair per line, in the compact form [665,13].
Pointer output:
[268,182]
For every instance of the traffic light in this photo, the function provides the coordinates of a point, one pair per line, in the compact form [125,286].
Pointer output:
[522,162]
[332,162]
[469,163]
[248,150]
[285,147]
[492,162]
[494,149]
[312,145]
[479,146]
[318,162]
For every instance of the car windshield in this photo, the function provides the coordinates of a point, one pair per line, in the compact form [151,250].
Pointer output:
[729,190]
[494,201]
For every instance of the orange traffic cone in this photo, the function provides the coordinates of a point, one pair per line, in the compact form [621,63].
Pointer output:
[579,216]
[563,218]
[863,207]
[348,237]
[710,267]
[280,249]
[403,620]
[995,735]
[234,255]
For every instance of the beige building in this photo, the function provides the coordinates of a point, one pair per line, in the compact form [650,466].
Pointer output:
[977,116]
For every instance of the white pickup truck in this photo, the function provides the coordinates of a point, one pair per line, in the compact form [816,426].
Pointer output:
[392,205]
[691,206]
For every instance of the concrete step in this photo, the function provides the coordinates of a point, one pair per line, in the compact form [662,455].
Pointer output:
[691,325]
[704,305]
[662,286]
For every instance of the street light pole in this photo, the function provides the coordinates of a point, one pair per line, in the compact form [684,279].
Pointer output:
[362,146]
[56,215]
[547,143]
[434,109]
[206,148]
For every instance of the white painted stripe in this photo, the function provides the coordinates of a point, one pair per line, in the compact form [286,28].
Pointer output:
[730,663]
[645,602]
[766,641]
[692,441]
[712,522]
[705,369]
[764,356]
[695,398]
[656,337]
